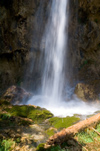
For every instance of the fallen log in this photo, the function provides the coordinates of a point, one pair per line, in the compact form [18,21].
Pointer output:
[70,132]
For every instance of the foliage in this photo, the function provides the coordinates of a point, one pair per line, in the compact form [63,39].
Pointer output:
[98,128]
[88,135]
[6,145]
[83,138]
[4,116]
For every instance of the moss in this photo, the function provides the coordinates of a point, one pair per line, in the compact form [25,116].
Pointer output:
[61,123]
[40,147]
[50,132]
[4,102]
[36,114]
[6,119]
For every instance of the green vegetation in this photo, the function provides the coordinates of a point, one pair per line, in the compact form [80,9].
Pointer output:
[98,128]
[89,136]
[6,145]
[84,138]
[5,116]
[36,114]
[61,123]
[6,120]
[50,132]
[4,102]
[40,147]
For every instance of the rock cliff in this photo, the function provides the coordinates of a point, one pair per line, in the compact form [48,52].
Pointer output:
[21,27]
[22,24]
[84,44]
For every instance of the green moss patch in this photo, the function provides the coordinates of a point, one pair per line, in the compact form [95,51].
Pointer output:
[61,123]
[50,132]
[36,114]
[4,102]
[7,120]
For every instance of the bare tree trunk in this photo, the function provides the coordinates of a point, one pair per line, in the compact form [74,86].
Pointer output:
[69,132]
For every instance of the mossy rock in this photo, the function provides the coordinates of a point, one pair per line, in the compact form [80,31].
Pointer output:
[40,147]
[37,114]
[61,123]
[4,102]
[50,131]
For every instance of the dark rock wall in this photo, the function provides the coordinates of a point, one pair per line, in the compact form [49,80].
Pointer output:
[89,40]
[22,24]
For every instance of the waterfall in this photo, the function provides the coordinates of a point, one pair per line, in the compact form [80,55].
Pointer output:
[54,53]
[53,66]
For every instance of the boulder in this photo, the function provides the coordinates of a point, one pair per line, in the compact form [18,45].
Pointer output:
[88,92]
[16,95]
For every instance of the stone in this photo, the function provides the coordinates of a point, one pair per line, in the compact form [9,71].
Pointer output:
[16,95]
[86,92]
[21,29]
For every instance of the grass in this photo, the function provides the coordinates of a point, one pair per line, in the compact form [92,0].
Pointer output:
[84,138]
[88,136]
[6,145]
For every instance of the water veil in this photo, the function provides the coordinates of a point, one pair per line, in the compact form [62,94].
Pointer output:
[53,71]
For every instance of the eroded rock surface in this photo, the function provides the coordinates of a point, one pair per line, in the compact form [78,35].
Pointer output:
[22,24]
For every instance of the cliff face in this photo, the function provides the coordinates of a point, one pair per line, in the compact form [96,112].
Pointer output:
[89,39]
[21,27]
[86,55]
[22,24]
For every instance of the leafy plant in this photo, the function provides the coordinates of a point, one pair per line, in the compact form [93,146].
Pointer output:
[6,145]
[83,138]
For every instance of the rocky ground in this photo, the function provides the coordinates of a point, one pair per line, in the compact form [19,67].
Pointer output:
[24,127]
[27,127]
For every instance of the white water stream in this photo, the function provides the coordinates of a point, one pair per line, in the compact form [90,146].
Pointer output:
[56,35]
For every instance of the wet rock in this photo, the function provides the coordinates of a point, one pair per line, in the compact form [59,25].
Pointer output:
[21,27]
[88,92]
[16,95]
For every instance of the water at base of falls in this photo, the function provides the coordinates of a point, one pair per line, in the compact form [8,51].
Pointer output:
[55,37]
[65,108]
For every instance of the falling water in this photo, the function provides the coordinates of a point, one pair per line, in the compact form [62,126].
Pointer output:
[56,38]
[54,54]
